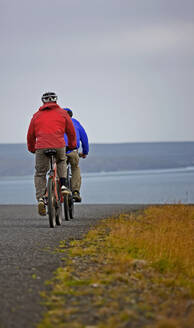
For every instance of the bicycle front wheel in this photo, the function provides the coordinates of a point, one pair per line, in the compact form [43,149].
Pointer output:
[71,207]
[66,207]
[51,203]
[58,211]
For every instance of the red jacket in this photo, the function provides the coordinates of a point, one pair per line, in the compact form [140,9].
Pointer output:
[48,126]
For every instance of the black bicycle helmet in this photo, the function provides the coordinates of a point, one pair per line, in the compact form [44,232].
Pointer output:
[49,97]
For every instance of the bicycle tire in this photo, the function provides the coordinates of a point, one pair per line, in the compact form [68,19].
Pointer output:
[71,207]
[58,210]
[66,207]
[51,203]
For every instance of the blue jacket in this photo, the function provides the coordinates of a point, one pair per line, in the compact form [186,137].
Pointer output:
[81,135]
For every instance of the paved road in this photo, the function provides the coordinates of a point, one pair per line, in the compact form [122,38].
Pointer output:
[25,262]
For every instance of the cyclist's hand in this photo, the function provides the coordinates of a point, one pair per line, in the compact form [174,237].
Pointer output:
[82,155]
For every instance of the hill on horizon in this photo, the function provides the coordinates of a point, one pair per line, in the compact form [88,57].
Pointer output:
[15,160]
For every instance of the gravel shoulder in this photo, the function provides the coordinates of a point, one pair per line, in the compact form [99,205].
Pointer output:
[27,257]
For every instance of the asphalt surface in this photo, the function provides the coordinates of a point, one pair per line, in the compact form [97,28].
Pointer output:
[27,259]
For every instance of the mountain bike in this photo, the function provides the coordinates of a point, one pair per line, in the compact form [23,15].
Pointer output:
[53,196]
[68,199]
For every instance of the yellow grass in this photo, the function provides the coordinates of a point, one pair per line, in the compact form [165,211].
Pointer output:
[164,235]
[127,271]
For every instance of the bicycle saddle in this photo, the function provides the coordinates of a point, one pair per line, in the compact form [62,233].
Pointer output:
[50,152]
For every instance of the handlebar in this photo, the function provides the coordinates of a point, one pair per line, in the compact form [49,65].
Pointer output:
[81,155]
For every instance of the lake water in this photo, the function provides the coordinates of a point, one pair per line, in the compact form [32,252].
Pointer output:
[129,187]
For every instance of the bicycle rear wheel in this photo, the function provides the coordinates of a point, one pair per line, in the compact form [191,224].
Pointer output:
[51,203]
[66,207]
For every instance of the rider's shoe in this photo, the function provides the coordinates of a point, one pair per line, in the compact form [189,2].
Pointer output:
[41,207]
[65,190]
[76,196]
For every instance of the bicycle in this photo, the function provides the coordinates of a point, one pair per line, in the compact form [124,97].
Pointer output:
[68,199]
[53,196]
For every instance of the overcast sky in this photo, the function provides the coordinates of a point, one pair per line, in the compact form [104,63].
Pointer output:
[125,67]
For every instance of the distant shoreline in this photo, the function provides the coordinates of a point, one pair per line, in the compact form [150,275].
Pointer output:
[15,160]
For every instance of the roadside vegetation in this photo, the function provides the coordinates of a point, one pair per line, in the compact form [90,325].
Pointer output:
[135,270]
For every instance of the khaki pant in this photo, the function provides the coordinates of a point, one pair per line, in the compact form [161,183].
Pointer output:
[73,158]
[42,167]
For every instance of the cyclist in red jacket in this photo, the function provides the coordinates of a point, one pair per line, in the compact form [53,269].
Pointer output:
[46,130]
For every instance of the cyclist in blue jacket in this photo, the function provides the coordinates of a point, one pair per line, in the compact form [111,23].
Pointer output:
[73,156]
